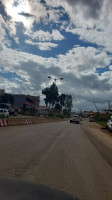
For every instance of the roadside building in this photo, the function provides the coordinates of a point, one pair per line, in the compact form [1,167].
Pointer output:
[22,103]
[2,92]
[27,103]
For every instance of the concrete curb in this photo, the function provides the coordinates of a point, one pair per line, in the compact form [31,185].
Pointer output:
[27,121]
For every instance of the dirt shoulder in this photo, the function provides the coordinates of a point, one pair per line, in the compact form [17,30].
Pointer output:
[95,125]
[103,135]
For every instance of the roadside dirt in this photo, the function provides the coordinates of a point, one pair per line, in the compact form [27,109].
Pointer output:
[99,127]
[101,138]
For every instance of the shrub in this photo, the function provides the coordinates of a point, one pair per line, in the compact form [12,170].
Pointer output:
[102,117]
[60,115]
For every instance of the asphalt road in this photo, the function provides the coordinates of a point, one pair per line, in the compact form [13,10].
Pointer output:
[73,158]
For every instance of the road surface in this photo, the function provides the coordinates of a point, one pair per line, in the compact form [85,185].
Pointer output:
[73,158]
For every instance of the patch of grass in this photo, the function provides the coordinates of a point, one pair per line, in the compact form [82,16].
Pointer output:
[102,123]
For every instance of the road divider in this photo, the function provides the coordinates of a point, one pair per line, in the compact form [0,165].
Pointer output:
[29,121]
[3,122]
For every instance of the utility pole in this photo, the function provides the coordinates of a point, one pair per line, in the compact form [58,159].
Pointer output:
[95,106]
[109,106]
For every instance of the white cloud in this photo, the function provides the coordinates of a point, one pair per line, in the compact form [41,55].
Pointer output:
[79,61]
[54,16]
[14,10]
[45,36]
[38,10]
[16,40]
[94,36]
[10,27]
[2,30]
[42,45]
[7,84]
[110,67]
[92,20]
[46,45]
[81,12]
[77,67]
[82,60]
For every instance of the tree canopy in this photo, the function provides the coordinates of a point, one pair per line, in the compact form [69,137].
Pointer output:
[51,95]
[56,101]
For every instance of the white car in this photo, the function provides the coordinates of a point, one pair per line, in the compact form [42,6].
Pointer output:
[4,112]
[75,118]
[80,117]
[109,124]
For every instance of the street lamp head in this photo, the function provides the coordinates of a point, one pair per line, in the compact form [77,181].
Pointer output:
[55,79]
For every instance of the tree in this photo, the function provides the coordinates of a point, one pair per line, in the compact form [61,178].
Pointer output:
[57,102]
[58,107]
[62,98]
[51,95]
[68,103]
[46,92]
[54,94]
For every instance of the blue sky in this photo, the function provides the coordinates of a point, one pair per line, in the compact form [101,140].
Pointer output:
[69,39]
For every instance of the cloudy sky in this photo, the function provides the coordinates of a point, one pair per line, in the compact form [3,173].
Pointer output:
[58,38]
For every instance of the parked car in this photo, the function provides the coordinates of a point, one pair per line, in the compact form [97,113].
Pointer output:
[109,124]
[91,119]
[80,117]
[4,112]
[75,118]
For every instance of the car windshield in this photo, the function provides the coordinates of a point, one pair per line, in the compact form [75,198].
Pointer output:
[55,97]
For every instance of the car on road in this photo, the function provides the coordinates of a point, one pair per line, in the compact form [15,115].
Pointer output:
[91,119]
[109,124]
[4,112]
[80,117]
[75,118]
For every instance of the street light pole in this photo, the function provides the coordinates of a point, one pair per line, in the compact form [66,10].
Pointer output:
[55,79]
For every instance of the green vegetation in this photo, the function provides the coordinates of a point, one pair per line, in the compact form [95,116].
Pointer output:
[60,104]
[2,116]
[102,118]
[102,123]
[60,115]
